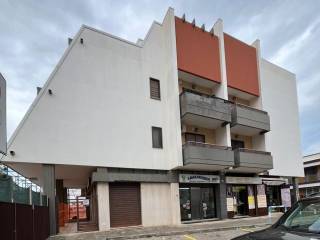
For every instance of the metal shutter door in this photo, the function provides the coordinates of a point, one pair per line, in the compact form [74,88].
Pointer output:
[125,206]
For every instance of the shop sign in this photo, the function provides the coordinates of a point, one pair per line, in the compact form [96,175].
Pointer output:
[286,197]
[243,180]
[196,178]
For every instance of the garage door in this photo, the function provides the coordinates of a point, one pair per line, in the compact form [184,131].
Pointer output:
[125,206]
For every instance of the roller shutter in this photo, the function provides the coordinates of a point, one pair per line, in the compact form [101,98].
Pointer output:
[125,204]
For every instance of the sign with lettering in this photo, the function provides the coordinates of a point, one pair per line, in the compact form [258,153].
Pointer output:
[286,197]
[261,196]
[198,178]
[262,201]
[230,204]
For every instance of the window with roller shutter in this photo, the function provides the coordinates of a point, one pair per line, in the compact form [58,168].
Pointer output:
[155,89]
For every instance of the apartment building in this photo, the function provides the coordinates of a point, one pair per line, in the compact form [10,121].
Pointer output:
[187,124]
[310,183]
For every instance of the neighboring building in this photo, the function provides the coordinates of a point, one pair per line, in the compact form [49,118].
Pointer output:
[183,125]
[310,184]
[3,116]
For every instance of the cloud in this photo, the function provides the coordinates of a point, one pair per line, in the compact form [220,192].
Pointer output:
[34,35]
[295,45]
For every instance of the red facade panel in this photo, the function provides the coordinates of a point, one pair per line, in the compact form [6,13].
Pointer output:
[241,64]
[197,51]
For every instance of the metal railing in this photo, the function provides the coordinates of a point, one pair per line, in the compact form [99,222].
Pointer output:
[206,145]
[248,107]
[247,150]
[204,95]
[16,188]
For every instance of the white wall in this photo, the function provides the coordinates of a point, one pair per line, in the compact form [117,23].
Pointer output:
[100,113]
[279,99]
[159,204]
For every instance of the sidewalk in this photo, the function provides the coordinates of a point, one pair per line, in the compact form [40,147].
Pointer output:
[145,232]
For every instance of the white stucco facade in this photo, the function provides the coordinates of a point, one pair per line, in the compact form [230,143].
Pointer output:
[100,112]
[279,99]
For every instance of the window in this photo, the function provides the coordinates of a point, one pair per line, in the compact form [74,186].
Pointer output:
[192,137]
[237,144]
[156,137]
[154,88]
[304,217]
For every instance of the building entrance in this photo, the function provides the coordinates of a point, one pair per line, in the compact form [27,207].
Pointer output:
[197,202]
[240,200]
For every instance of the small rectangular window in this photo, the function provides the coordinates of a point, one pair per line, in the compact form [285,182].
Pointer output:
[155,88]
[156,137]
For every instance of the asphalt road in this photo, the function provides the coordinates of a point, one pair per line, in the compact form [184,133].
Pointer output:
[221,235]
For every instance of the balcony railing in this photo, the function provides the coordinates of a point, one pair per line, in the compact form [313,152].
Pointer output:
[248,158]
[207,154]
[200,108]
[247,117]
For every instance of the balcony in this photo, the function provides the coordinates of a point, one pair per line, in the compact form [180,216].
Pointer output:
[204,111]
[254,161]
[249,121]
[203,156]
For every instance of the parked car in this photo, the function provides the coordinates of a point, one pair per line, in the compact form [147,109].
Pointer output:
[301,222]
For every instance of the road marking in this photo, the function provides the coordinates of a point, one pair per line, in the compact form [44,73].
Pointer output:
[246,230]
[189,237]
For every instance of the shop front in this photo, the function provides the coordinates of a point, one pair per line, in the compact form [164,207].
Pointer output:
[245,197]
[197,196]
[277,192]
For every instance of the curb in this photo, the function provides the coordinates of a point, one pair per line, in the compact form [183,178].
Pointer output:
[183,232]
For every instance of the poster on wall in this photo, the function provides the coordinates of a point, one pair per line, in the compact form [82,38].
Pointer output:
[251,202]
[286,197]
[262,201]
[229,204]
[261,196]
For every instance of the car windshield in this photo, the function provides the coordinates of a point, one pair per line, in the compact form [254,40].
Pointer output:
[305,217]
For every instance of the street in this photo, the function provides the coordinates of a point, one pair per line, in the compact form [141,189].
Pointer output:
[221,235]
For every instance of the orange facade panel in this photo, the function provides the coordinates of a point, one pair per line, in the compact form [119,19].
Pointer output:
[241,64]
[197,51]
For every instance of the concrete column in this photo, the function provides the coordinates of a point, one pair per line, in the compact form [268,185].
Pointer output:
[295,191]
[103,206]
[175,203]
[30,194]
[223,135]
[221,197]
[49,183]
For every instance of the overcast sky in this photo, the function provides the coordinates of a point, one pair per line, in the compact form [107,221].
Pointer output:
[34,36]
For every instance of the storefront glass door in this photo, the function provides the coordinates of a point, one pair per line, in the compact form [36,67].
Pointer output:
[197,203]
[240,200]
